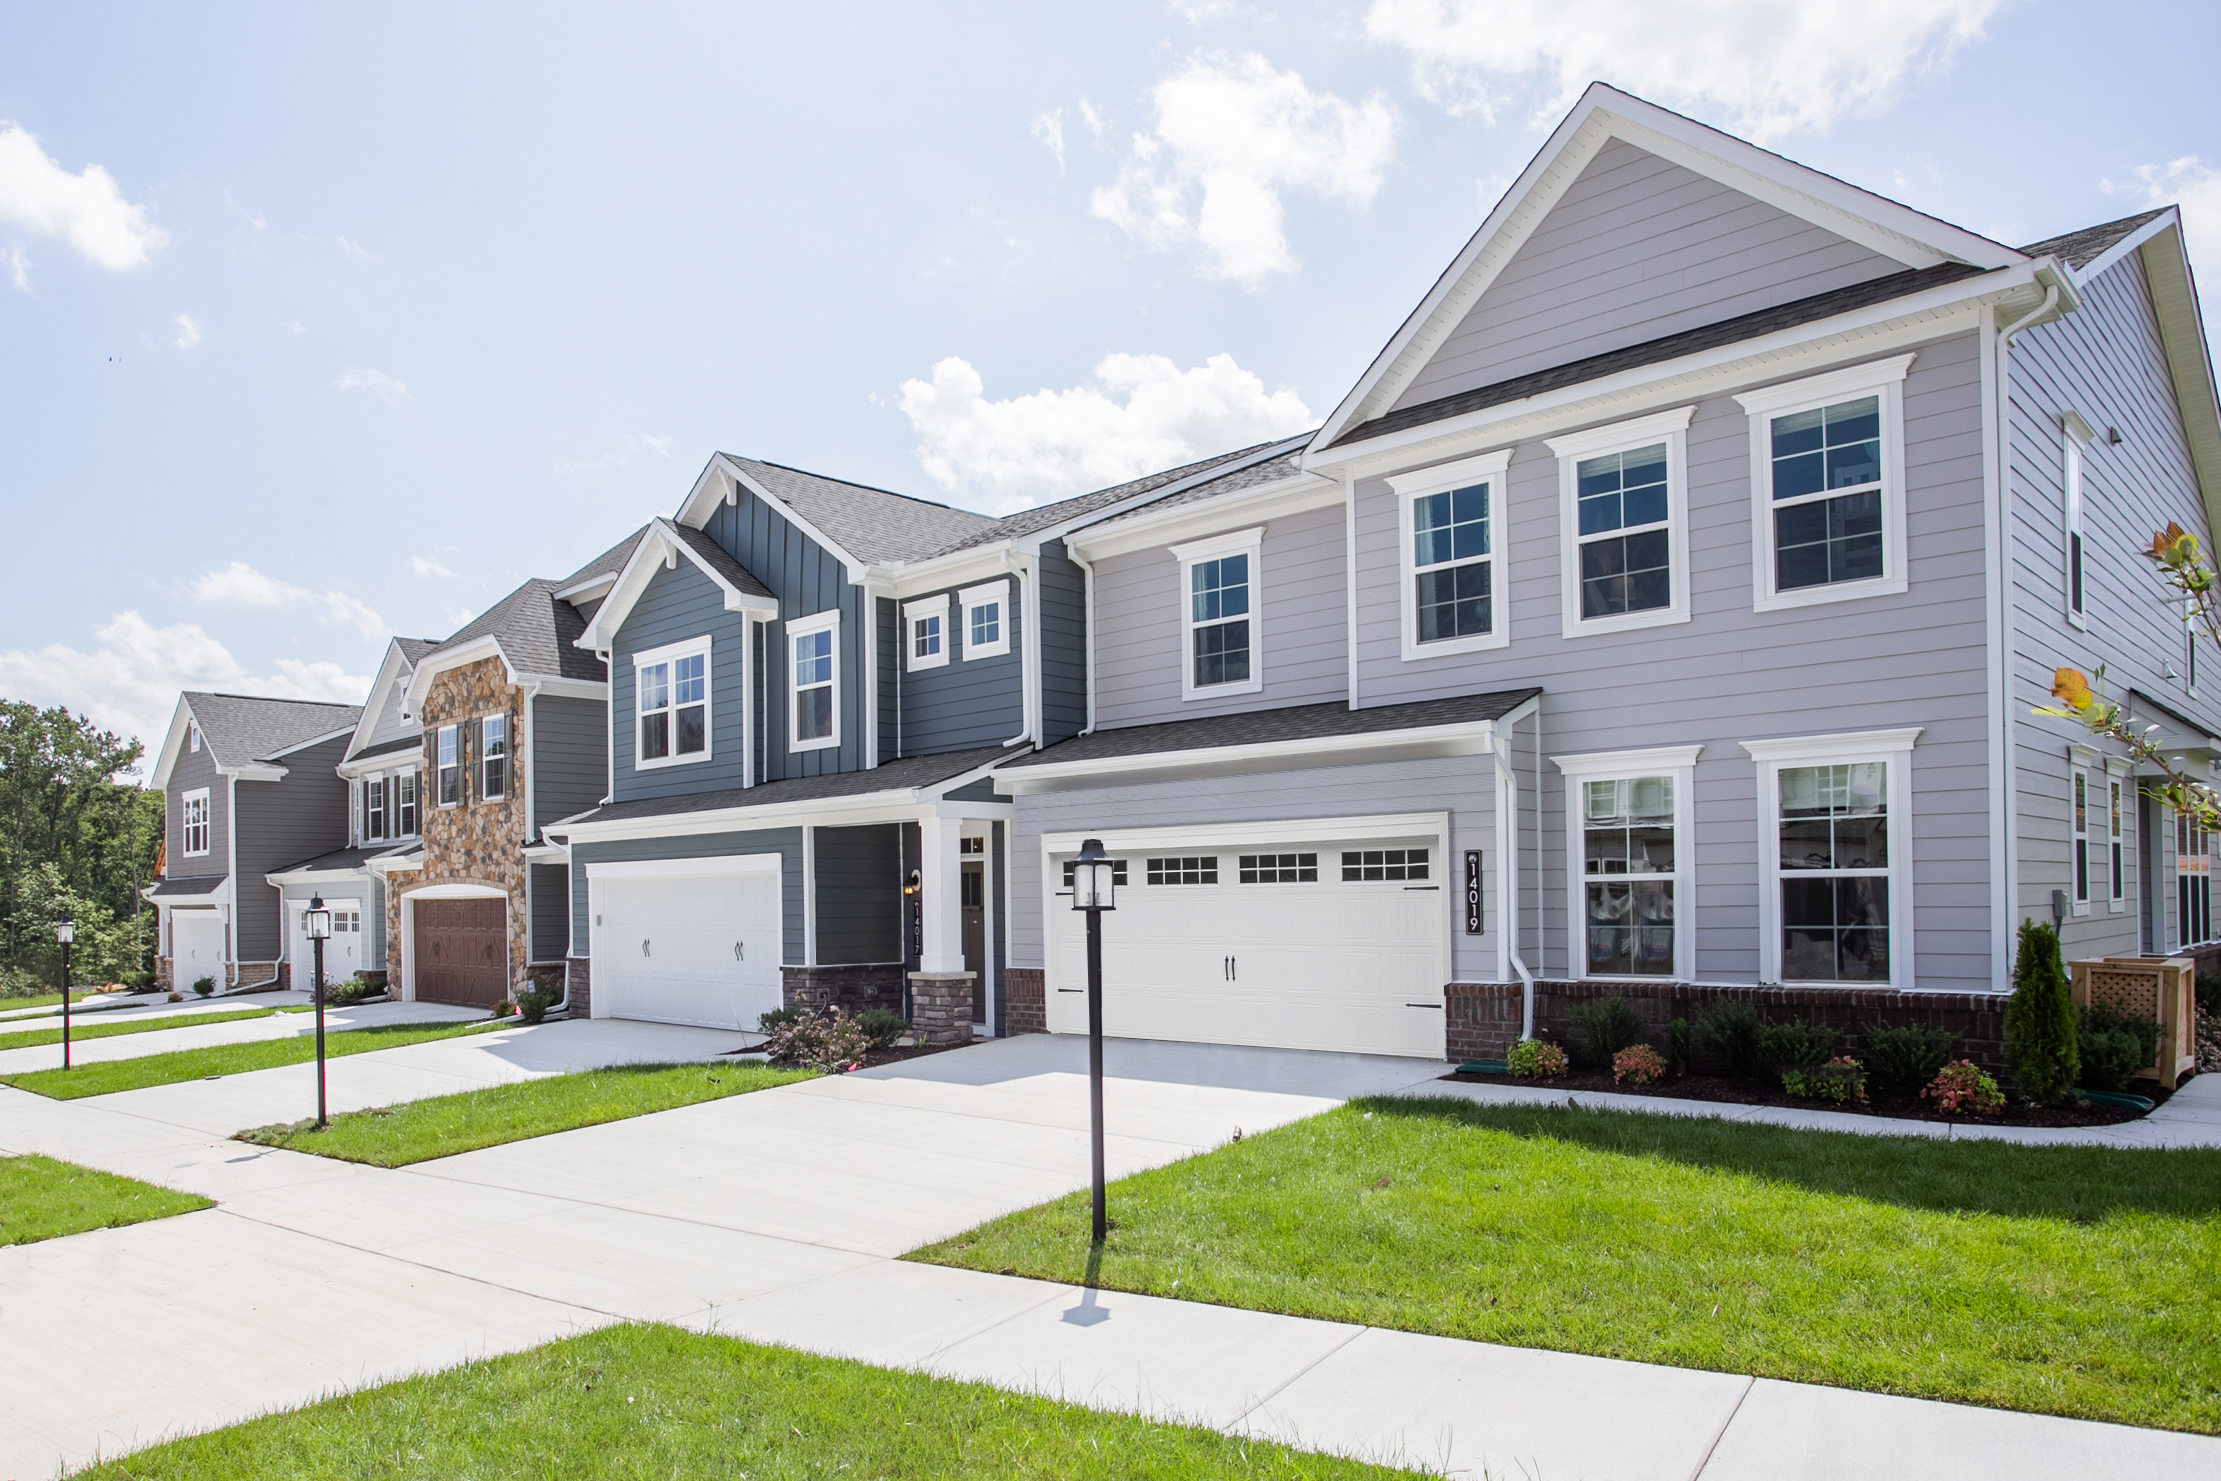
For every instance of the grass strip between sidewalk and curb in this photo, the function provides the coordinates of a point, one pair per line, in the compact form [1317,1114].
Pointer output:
[2051,1279]
[42,1000]
[106,1077]
[81,1031]
[41,1198]
[443,1125]
[655,1401]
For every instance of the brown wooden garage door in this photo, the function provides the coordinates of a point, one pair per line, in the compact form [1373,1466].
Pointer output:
[462,951]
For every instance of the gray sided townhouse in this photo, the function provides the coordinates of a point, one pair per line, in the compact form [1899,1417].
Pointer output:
[249,787]
[1662,614]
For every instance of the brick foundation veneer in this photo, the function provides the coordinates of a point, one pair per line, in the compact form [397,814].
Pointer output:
[578,983]
[1025,1000]
[1483,1017]
[872,985]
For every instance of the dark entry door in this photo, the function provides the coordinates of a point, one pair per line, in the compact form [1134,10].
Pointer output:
[975,937]
[462,952]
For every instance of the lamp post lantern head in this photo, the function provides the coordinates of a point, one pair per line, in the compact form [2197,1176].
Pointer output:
[1094,878]
[65,930]
[318,920]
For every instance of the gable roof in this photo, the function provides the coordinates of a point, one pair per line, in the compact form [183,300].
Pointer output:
[245,729]
[537,632]
[1275,469]
[862,524]
[1187,475]
[603,567]
[399,664]
[661,544]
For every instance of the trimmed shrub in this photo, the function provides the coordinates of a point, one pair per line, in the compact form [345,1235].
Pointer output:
[1678,1036]
[533,1006]
[833,1043]
[2209,995]
[1535,1059]
[777,1019]
[1601,1029]
[1728,1032]
[1840,1079]
[882,1026]
[1960,1088]
[2039,1019]
[1638,1064]
[1907,1055]
[204,985]
[1797,1044]
[352,991]
[2113,1046]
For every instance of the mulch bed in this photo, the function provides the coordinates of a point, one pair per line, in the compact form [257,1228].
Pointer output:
[1899,1104]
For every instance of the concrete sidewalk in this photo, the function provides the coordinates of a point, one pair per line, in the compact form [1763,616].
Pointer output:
[774,1215]
[179,1031]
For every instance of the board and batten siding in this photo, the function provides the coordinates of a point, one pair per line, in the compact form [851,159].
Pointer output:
[1064,638]
[1463,786]
[887,616]
[2106,362]
[548,908]
[290,821]
[1637,249]
[1298,597]
[1730,674]
[570,756]
[785,842]
[193,771]
[967,702]
[678,604]
[859,894]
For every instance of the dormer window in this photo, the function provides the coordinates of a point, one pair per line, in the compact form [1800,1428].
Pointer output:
[672,685]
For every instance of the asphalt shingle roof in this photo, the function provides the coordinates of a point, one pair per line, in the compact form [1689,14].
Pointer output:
[2078,249]
[190,884]
[414,649]
[609,563]
[873,525]
[894,776]
[244,727]
[385,748]
[1026,521]
[538,632]
[718,559]
[339,861]
[1290,723]
[1271,470]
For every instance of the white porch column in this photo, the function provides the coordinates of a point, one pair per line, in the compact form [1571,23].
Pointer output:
[940,871]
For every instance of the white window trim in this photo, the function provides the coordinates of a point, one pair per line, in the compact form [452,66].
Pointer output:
[508,757]
[1488,468]
[207,824]
[363,808]
[1676,762]
[193,736]
[393,803]
[802,627]
[2117,852]
[2074,562]
[2080,760]
[1248,542]
[912,614]
[979,596]
[1882,378]
[1892,747]
[462,768]
[670,653]
[1669,427]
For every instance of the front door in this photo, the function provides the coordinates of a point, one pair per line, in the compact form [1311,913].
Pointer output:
[974,905]
[462,951]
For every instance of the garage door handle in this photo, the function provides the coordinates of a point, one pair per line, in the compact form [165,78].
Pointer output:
[738,954]
[644,947]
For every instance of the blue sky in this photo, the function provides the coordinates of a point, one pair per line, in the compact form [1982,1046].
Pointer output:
[321,326]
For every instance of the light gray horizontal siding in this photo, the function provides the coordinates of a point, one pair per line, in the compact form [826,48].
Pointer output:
[1636,249]
[570,755]
[786,842]
[966,702]
[679,604]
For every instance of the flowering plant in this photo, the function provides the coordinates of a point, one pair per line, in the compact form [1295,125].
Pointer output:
[1840,1079]
[1638,1064]
[1533,1059]
[833,1043]
[1960,1086]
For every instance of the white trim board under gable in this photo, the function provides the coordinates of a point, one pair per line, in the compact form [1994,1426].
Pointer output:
[391,670]
[721,482]
[1605,113]
[661,547]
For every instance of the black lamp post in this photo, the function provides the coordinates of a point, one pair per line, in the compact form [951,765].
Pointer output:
[65,931]
[319,921]
[1094,883]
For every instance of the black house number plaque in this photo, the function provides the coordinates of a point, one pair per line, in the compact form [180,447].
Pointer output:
[1472,892]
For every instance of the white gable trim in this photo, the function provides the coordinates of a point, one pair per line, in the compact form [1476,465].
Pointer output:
[661,546]
[2182,334]
[173,745]
[1604,113]
[394,668]
[720,484]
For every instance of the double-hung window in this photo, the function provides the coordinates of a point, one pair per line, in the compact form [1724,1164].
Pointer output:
[813,682]
[1827,486]
[404,804]
[192,811]
[2082,802]
[1628,818]
[1451,520]
[986,619]
[1834,902]
[2078,435]
[927,622]
[671,693]
[2116,852]
[1624,523]
[448,755]
[2193,881]
[1218,581]
[493,757]
[373,808]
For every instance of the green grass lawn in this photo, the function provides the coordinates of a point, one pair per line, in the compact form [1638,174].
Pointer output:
[44,1199]
[2062,1280]
[395,1136]
[109,1076]
[656,1402]
[38,1000]
[98,1028]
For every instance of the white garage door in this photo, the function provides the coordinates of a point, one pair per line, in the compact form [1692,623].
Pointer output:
[1295,945]
[701,947]
[343,951]
[196,948]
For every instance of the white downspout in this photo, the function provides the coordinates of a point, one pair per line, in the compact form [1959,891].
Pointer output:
[1507,873]
[1087,584]
[1029,656]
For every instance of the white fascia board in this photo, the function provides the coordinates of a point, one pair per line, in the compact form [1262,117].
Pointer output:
[718,485]
[447,659]
[2183,339]
[1895,324]
[1267,501]
[390,670]
[2167,220]
[330,735]
[255,771]
[546,853]
[1470,738]
[661,546]
[385,864]
[910,580]
[588,589]
[282,877]
[363,766]
[896,804]
[173,745]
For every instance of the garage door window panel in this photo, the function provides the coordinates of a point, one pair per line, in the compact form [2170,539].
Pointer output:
[1390,865]
[1278,868]
[1184,870]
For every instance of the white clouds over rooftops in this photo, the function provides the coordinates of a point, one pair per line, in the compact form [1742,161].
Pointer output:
[1232,134]
[2195,186]
[86,209]
[1144,413]
[394,393]
[1759,69]
[241,585]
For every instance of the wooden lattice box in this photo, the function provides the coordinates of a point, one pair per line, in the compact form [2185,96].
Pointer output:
[2161,988]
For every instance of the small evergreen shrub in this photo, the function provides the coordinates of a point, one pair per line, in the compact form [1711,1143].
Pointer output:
[1677,1046]
[833,1043]
[1534,1059]
[2113,1046]
[1728,1032]
[2209,995]
[1601,1029]
[204,985]
[777,1019]
[882,1026]
[1638,1064]
[1962,1089]
[354,990]
[1793,1043]
[1907,1055]
[1841,1079]
[2039,1019]
[533,1006]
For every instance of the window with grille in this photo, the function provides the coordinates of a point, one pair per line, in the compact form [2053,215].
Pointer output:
[1185,870]
[374,808]
[193,822]
[2193,881]
[449,748]
[1833,829]
[404,805]
[2081,837]
[1827,487]
[672,693]
[1623,518]
[813,701]
[1453,564]
[1383,864]
[1279,868]
[493,756]
[1628,868]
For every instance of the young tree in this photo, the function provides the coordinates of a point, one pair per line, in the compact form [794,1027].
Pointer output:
[2040,1041]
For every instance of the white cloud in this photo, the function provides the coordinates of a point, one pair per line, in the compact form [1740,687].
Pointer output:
[188,331]
[1094,120]
[617,457]
[1144,413]
[430,565]
[1761,67]
[86,209]
[394,393]
[293,324]
[1231,135]
[1049,129]
[19,268]
[350,249]
[130,681]
[241,585]
[2194,185]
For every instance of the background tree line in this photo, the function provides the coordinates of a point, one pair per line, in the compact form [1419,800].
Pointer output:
[78,837]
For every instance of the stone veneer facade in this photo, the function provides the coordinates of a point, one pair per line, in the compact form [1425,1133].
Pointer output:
[473,842]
